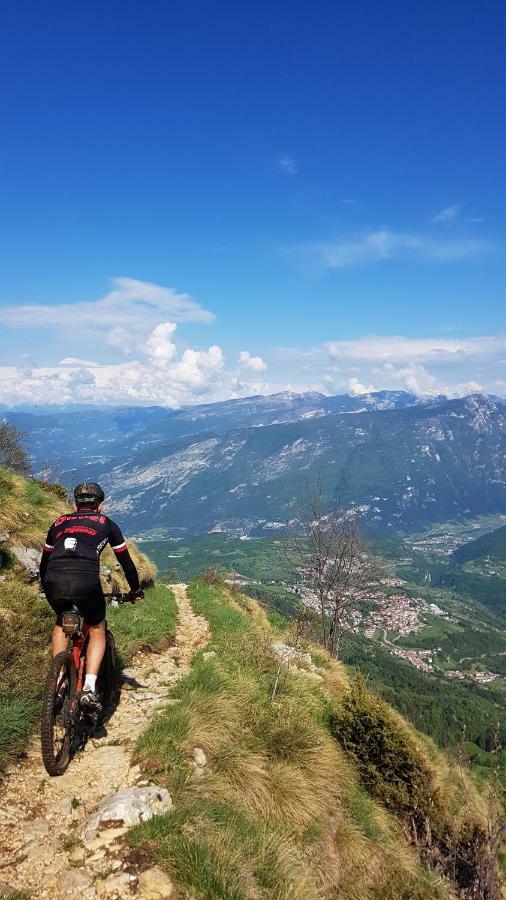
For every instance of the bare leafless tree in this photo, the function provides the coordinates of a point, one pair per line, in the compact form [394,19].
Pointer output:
[488,881]
[333,562]
[12,453]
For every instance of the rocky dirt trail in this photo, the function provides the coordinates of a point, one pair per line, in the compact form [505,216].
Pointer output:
[52,842]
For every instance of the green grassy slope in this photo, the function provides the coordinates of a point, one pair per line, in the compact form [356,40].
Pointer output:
[282,808]
[27,508]
[492,544]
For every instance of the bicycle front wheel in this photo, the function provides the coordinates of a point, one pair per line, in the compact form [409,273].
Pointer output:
[57,714]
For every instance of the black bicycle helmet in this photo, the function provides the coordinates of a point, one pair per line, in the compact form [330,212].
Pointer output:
[89,492]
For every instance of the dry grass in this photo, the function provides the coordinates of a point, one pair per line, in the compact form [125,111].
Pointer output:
[117,581]
[277,811]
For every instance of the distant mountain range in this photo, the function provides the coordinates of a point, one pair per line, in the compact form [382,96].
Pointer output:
[236,466]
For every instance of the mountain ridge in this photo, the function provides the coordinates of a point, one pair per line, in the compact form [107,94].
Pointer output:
[237,466]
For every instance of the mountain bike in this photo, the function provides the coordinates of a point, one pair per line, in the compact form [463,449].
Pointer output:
[64,726]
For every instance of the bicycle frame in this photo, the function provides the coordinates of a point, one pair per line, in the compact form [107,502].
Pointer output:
[77,651]
[79,655]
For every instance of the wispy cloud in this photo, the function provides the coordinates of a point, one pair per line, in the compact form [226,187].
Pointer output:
[384,244]
[398,349]
[449,214]
[288,165]
[125,315]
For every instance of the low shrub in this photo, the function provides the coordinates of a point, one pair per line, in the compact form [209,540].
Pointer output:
[441,815]
[52,487]
[390,764]
[213,577]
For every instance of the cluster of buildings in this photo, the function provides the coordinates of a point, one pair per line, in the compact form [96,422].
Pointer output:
[420,659]
[389,613]
[438,544]
[395,613]
[478,677]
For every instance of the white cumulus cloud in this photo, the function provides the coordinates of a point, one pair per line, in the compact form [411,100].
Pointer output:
[355,389]
[160,347]
[251,362]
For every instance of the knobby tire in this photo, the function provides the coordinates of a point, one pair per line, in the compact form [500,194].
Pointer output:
[55,716]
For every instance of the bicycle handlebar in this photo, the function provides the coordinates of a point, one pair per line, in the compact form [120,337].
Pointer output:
[117,597]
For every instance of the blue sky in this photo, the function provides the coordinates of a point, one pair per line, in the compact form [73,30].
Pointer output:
[314,191]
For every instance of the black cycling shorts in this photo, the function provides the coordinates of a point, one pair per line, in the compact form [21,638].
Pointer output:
[77,585]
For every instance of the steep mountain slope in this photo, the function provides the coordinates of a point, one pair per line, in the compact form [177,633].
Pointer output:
[237,465]
[492,544]
[64,440]
[398,467]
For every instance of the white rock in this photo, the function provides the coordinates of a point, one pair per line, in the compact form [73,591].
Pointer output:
[199,756]
[29,559]
[134,773]
[106,838]
[36,831]
[208,655]
[117,885]
[154,884]
[63,808]
[75,882]
[127,807]
[77,855]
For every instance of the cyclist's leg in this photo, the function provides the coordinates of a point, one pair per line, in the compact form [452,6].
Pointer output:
[92,607]
[59,640]
[96,648]
[55,588]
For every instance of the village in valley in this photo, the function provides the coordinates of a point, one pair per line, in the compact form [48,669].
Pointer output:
[385,618]
[406,612]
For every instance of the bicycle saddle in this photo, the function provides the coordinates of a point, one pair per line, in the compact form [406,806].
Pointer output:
[71,621]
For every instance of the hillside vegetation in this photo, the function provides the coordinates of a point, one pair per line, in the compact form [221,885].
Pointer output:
[309,785]
[27,508]
[492,544]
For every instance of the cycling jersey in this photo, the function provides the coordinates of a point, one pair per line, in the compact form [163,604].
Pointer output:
[78,538]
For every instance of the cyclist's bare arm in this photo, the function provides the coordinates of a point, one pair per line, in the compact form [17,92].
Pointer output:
[118,544]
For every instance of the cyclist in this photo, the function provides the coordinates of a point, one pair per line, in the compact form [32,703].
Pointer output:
[70,574]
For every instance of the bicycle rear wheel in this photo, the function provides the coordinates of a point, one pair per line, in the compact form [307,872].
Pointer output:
[57,714]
